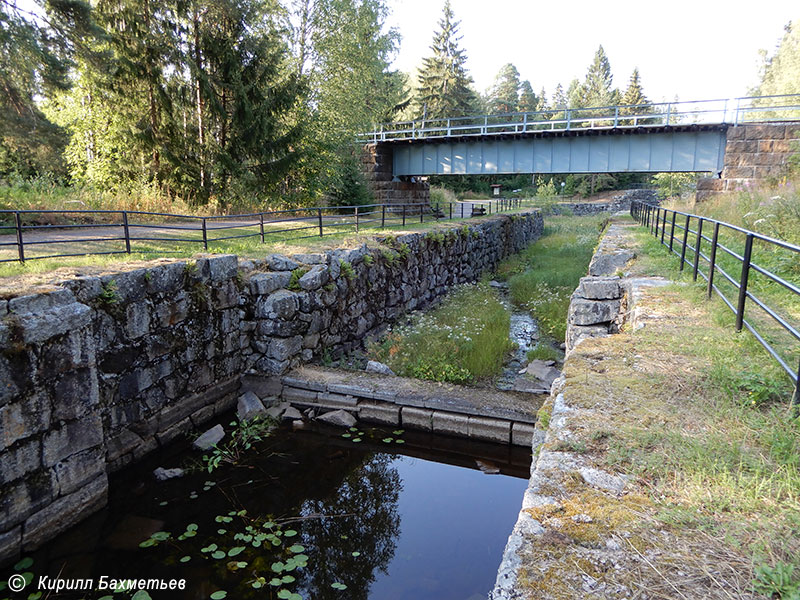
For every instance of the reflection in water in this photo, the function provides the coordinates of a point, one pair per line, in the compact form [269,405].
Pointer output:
[388,526]
[361,517]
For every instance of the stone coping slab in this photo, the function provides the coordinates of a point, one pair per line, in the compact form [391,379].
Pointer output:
[478,402]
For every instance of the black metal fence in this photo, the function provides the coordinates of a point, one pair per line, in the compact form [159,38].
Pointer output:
[98,232]
[673,229]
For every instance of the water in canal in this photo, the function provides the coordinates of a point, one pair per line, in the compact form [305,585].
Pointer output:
[311,515]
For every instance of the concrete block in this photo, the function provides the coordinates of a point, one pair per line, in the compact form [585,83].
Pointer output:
[337,400]
[491,430]
[417,418]
[291,394]
[379,413]
[450,424]
[522,434]
[305,384]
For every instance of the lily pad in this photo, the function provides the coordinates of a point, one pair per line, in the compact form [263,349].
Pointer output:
[235,551]
[296,549]
[289,533]
[185,559]
[338,586]
[219,595]
[356,553]
[219,555]
[25,563]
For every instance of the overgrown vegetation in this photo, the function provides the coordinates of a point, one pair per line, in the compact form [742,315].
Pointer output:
[772,211]
[731,466]
[463,340]
[244,435]
[542,277]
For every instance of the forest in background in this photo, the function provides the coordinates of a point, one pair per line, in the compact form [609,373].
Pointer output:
[243,104]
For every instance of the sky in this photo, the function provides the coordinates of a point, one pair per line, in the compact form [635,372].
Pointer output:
[695,50]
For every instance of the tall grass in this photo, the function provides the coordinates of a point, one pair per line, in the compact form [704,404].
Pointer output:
[542,278]
[465,339]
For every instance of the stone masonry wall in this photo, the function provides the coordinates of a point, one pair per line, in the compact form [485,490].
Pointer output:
[753,153]
[105,369]
[376,162]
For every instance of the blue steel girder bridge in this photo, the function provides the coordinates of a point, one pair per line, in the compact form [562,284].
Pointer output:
[651,138]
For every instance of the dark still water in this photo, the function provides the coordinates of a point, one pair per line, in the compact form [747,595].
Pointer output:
[308,515]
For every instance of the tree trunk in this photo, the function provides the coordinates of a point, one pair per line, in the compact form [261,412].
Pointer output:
[198,58]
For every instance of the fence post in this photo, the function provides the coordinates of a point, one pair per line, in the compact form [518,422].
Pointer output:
[404,215]
[462,210]
[421,214]
[713,262]
[261,223]
[697,249]
[20,244]
[658,218]
[205,234]
[356,212]
[127,231]
[383,216]
[685,239]
[663,225]
[796,397]
[748,251]
[672,230]
[319,220]
[450,204]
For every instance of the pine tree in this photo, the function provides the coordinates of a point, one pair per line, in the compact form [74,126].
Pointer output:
[528,101]
[444,82]
[504,95]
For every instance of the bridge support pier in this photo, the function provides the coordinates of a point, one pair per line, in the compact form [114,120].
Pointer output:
[376,161]
[754,154]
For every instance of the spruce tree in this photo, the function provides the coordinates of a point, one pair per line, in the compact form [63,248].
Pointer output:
[634,95]
[597,90]
[444,82]
[528,101]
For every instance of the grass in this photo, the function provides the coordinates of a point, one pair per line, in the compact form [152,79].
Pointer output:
[657,259]
[463,340]
[732,467]
[293,241]
[542,278]
[699,417]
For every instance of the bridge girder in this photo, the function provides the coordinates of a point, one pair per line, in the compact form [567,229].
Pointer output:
[699,148]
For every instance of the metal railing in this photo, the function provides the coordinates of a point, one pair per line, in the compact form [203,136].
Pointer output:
[125,232]
[673,229]
[732,111]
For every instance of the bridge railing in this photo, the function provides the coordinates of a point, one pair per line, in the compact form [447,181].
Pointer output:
[720,111]
[38,234]
[716,251]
